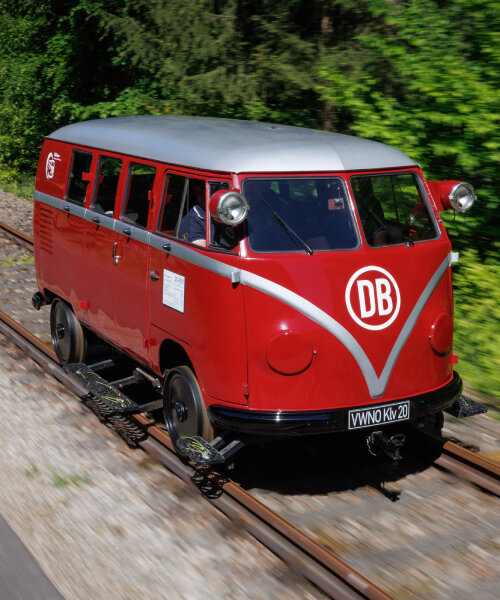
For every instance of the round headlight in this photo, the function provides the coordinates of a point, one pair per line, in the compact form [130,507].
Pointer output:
[462,197]
[232,208]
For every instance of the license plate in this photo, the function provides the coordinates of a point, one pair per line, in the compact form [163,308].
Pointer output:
[379,415]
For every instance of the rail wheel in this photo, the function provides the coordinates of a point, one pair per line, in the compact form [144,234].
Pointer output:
[67,334]
[183,406]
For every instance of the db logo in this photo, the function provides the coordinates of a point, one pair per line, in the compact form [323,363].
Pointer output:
[372,298]
[50,165]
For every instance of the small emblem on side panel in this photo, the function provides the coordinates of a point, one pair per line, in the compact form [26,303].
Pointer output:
[50,164]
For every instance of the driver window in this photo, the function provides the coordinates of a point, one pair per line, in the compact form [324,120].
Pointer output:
[182,214]
[222,236]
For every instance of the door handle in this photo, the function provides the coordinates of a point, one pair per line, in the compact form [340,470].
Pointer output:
[154,275]
[114,253]
[96,220]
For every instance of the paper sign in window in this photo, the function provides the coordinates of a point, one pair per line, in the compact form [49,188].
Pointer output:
[173,290]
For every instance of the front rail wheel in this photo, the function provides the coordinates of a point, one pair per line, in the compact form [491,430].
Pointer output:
[183,406]
[67,334]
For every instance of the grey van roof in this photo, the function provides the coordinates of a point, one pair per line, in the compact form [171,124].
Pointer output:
[230,145]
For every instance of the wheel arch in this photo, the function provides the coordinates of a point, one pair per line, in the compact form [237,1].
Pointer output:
[50,296]
[173,354]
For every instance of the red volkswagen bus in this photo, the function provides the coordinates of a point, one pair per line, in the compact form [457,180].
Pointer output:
[277,280]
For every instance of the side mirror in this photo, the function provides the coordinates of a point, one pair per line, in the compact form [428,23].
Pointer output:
[228,207]
[454,195]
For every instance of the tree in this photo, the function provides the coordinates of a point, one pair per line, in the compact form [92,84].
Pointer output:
[424,76]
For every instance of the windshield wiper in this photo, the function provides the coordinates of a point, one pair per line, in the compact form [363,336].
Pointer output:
[286,227]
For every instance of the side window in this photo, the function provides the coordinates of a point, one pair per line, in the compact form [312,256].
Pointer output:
[183,208]
[140,182]
[77,186]
[108,174]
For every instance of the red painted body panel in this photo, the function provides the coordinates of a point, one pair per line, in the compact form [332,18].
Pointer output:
[289,352]
[334,377]
[130,283]
[98,271]
[56,271]
[55,185]
[212,324]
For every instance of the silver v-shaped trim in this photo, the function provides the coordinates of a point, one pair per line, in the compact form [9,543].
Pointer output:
[376,385]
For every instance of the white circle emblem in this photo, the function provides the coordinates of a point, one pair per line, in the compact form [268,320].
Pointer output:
[50,166]
[373,301]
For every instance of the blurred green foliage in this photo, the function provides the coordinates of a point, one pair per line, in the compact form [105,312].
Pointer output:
[422,75]
[477,314]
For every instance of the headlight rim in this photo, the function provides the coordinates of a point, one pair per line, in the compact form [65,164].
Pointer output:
[453,197]
[224,197]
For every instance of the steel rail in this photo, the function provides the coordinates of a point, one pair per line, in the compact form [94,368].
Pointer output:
[17,236]
[302,553]
[471,466]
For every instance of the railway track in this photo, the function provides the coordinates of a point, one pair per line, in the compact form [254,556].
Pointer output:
[16,236]
[300,551]
[297,549]
[468,464]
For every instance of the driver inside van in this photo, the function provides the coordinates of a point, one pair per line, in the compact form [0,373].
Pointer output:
[193,225]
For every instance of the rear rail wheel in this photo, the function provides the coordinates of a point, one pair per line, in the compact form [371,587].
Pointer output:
[67,334]
[183,406]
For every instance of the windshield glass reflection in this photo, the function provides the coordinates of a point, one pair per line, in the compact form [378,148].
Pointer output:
[315,209]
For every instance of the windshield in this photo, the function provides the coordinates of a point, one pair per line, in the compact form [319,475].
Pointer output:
[316,210]
[392,209]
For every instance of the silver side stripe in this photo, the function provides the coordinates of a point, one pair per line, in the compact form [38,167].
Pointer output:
[376,385]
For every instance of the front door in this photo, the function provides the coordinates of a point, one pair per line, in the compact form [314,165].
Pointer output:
[192,300]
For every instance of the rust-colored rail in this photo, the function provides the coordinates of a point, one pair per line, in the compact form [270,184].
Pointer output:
[472,466]
[302,553]
[462,462]
[17,236]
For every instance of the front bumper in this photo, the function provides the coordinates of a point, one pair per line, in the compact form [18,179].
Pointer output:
[291,423]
